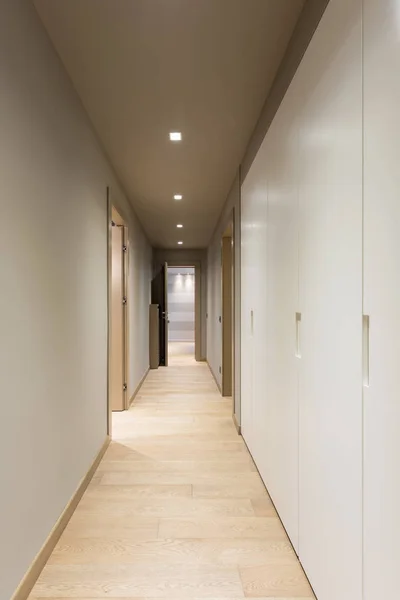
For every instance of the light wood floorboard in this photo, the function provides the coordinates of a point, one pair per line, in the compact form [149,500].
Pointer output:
[176,509]
[177,466]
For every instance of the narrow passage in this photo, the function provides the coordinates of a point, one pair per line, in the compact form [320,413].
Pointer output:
[176,509]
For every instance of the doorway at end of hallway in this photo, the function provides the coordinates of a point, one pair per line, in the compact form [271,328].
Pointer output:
[181,310]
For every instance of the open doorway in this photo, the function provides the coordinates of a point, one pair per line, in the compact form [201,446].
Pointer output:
[227,260]
[118,313]
[181,311]
[159,299]
[160,306]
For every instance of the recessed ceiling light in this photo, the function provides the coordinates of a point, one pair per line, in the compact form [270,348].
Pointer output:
[179,226]
[180,243]
[175,136]
[178,197]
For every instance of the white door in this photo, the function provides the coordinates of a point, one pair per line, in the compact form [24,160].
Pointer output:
[245,320]
[251,260]
[281,421]
[330,279]
[382,298]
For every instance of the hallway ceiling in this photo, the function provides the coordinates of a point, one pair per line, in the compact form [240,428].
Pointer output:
[144,68]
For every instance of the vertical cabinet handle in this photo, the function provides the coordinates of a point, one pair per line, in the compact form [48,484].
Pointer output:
[365,350]
[298,348]
[251,322]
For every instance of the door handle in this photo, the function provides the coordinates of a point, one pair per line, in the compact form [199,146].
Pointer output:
[365,350]
[298,348]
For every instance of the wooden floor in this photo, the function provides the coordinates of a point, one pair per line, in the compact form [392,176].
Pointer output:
[177,509]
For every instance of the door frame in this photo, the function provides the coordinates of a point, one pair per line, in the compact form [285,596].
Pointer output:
[166,314]
[226,321]
[109,258]
[113,210]
[196,264]
[159,296]
[234,257]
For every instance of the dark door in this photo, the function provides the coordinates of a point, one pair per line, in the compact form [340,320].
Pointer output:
[159,295]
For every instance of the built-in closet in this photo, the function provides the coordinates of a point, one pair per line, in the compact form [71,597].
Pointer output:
[320,298]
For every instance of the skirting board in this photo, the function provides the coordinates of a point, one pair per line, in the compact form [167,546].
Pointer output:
[141,382]
[215,379]
[236,424]
[31,576]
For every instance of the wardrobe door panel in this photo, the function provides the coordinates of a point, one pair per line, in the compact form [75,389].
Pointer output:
[269,197]
[280,465]
[253,260]
[330,277]
[382,297]
[246,363]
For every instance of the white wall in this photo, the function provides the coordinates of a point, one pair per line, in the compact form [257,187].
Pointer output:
[302,253]
[53,260]
[214,291]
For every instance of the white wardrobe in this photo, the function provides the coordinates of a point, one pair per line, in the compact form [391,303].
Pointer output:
[320,249]
[382,297]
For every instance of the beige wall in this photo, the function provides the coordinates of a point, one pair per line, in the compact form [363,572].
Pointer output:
[53,297]
[214,292]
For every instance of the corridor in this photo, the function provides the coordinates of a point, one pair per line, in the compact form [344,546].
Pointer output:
[176,508]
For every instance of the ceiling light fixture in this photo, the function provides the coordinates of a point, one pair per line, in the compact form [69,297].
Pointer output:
[175,136]
[179,226]
[178,197]
[180,243]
